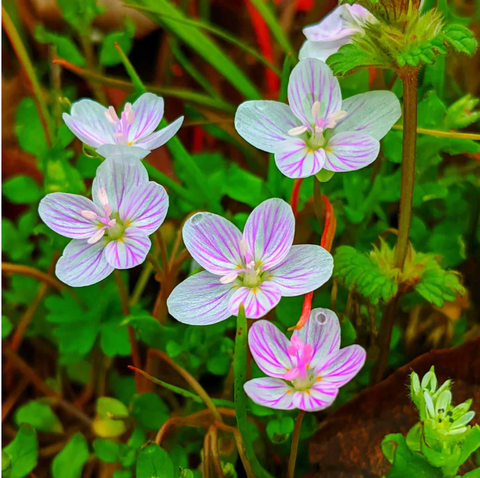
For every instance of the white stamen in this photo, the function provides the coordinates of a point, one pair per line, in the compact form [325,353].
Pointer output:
[97,236]
[111,115]
[318,130]
[129,114]
[338,115]
[316,110]
[229,278]
[108,209]
[88,214]
[102,197]
[297,130]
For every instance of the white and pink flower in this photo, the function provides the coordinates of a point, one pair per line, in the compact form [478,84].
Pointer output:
[317,129]
[110,232]
[132,132]
[306,371]
[255,268]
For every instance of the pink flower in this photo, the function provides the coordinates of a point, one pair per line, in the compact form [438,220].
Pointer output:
[133,132]
[255,268]
[305,372]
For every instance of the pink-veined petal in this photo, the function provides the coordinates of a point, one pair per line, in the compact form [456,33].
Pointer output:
[200,300]
[269,232]
[61,212]
[148,111]
[296,160]
[318,397]
[159,138]
[306,268]
[311,81]
[265,124]
[144,207]
[88,123]
[341,366]
[83,264]
[351,151]
[269,348]
[117,178]
[213,242]
[270,392]
[128,251]
[257,301]
[322,331]
[373,113]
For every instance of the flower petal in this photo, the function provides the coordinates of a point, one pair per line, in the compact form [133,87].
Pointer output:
[145,207]
[83,264]
[296,160]
[341,366]
[270,392]
[159,138]
[213,242]
[257,301]
[351,151]
[269,348]
[319,50]
[200,300]
[117,178]
[322,331]
[463,420]
[306,268]
[128,251]
[88,123]
[264,124]
[61,212]
[148,111]
[373,113]
[310,81]
[122,152]
[318,397]
[269,232]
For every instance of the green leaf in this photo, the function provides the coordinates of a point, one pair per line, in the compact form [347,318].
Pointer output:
[201,44]
[437,285]
[154,462]
[279,431]
[108,422]
[79,13]
[22,190]
[70,461]
[244,186]
[28,128]
[114,338]
[470,445]
[106,450]
[150,410]
[15,244]
[40,416]
[348,332]
[7,327]
[460,38]
[355,269]
[23,452]
[404,462]
[65,47]
[108,53]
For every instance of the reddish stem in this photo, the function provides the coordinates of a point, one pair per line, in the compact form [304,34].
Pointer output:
[306,309]
[297,184]
[330,224]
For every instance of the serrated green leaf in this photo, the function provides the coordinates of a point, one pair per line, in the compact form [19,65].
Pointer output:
[154,462]
[460,38]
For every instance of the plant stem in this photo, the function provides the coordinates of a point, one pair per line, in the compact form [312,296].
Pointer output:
[443,134]
[35,273]
[409,147]
[294,449]
[25,61]
[317,203]
[131,331]
[295,194]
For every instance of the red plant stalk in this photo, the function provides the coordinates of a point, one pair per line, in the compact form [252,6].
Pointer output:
[326,243]
[295,195]
[265,44]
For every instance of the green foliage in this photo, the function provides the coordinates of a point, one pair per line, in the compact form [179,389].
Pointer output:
[279,431]
[106,450]
[110,418]
[65,47]
[108,53]
[20,456]
[70,461]
[40,416]
[22,190]
[154,462]
[7,327]
[150,411]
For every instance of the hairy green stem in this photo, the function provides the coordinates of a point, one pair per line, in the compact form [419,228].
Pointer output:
[294,448]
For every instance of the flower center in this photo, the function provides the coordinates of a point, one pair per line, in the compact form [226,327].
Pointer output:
[247,273]
[122,124]
[314,133]
[113,226]
[301,376]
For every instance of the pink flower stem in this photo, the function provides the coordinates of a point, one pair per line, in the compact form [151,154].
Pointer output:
[295,194]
